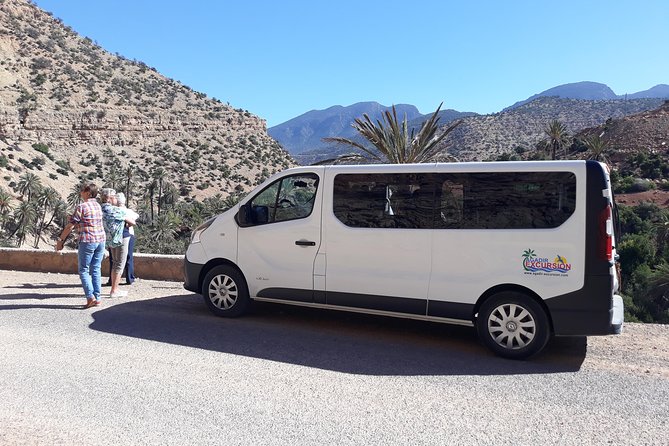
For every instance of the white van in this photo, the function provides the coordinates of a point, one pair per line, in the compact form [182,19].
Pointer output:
[520,250]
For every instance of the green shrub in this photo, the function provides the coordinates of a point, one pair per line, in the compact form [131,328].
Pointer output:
[40,147]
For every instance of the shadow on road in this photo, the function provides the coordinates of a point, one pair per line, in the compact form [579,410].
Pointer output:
[331,340]
[41,286]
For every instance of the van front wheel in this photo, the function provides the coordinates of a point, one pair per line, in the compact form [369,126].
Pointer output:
[513,325]
[225,292]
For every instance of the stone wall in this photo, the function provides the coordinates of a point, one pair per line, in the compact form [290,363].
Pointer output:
[147,266]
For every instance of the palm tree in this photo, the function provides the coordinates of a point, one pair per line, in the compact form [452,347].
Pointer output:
[114,178]
[658,288]
[597,147]
[214,205]
[74,197]
[46,201]
[29,184]
[128,177]
[159,175]
[5,206]
[24,218]
[170,195]
[392,142]
[58,213]
[558,137]
[163,231]
[150,191]
[661,230]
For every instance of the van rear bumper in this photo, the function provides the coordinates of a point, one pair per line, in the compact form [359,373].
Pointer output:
[618,316]
[590,311]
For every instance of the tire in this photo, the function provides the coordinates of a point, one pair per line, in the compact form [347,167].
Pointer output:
[225,292]
[513,325]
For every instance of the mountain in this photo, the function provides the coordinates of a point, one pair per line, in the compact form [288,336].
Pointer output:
[303,136]
[70,110]
[659,91]
[306,131]
[577,90]
[594,91]
[521,128]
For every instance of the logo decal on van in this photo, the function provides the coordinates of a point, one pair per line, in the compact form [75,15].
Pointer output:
[532,264]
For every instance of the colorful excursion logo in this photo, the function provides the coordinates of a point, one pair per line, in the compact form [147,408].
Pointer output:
[534,264]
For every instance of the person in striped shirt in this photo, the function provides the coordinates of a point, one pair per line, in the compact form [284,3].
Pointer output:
[87,218]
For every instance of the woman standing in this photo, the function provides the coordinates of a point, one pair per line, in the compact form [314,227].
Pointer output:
[114,220]
[88,219]
[129,233]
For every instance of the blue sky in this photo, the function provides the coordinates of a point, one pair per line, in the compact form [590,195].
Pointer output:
[279,59]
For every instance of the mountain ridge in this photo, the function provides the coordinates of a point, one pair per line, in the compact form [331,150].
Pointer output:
[302,136]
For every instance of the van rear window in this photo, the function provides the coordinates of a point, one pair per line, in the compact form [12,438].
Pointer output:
[497,200]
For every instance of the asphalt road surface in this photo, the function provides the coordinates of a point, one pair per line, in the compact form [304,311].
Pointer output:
[158,368]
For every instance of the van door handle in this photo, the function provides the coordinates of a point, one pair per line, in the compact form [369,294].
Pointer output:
[305,243]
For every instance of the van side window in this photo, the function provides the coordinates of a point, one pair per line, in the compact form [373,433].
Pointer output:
[404,201]
[505,200]
[289,198]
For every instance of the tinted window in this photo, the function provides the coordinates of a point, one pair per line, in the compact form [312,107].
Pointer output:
[289,198]
[384,200]
[516,200]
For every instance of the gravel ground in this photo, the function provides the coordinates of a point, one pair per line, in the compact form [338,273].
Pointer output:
[158,368]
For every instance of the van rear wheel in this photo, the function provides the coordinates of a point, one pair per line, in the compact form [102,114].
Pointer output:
[225,292]
[513,325]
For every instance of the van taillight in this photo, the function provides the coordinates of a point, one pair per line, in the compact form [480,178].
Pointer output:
[606,234]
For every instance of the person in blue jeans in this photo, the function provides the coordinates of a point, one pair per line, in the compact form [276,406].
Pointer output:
[128,233]
[87,218]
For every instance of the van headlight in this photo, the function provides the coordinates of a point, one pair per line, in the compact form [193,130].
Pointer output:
[195,238]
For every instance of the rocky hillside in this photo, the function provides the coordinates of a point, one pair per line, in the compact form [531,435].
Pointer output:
[637,145]
[71,110]
[486,137]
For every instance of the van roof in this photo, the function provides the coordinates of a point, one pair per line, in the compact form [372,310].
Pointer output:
[478,166]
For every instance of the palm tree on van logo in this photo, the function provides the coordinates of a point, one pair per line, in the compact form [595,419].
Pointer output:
[529,255]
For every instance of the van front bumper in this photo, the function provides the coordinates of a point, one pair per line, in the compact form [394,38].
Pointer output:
[192,276]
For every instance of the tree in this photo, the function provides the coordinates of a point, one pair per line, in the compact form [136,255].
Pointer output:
[5,207]
[597,147]
[658,293]
[74,197]
[392,142]
[129,178]
[159,176]
[162,234]
[45,202]
[558,137]
[29,184]
[24,219]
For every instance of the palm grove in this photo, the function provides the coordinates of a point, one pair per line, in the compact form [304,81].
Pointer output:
[35,214]
[166,218]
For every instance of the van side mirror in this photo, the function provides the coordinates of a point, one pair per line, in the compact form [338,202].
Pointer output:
[243,215]
[252,215]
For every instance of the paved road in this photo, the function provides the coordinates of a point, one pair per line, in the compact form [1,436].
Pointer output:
[157,368]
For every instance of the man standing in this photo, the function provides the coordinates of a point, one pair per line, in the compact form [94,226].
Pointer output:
[88,219]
